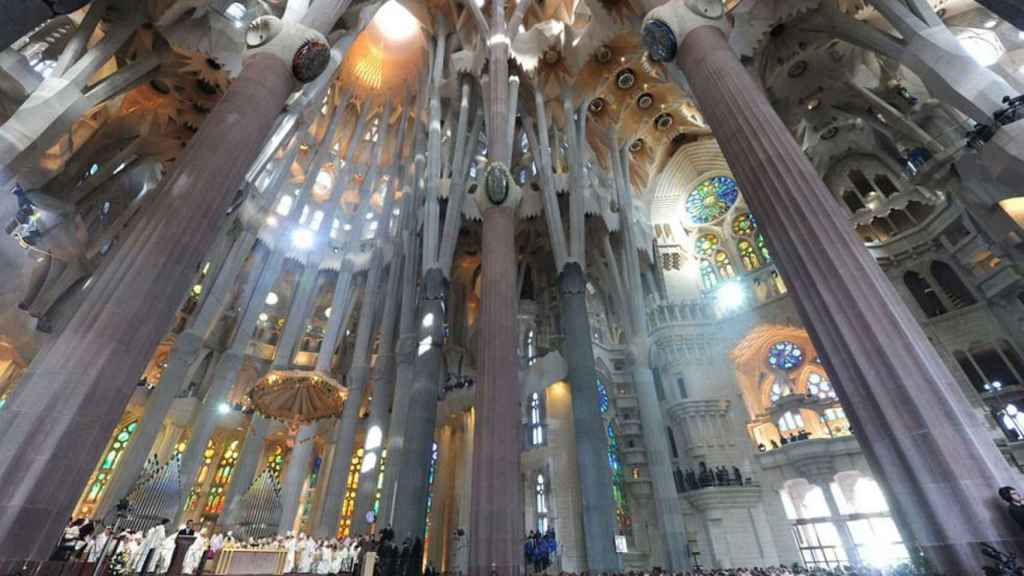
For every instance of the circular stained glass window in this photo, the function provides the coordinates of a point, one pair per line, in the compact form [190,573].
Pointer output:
[785,355]
[711,199]
[743,225]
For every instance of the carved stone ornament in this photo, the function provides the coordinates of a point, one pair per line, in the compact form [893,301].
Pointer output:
[660,41]
[496,184]
[310,60]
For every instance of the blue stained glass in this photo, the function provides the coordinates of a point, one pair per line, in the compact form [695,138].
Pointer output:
[602,396]
[785,355]
[711,199]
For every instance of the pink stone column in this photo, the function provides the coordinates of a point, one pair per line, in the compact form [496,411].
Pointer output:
[496,522]
[930,452]
[58,422]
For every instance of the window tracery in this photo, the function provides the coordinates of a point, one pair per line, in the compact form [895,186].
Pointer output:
[711,199]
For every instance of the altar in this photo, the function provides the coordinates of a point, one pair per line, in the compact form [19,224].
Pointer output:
[233,561]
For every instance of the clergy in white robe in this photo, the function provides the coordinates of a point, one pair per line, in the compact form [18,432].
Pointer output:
[326,558]
[194,555]
[150,553]
[306,555]
[290,545]
[166,552]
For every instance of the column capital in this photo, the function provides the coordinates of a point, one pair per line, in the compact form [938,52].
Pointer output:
[666,27]
[304,50]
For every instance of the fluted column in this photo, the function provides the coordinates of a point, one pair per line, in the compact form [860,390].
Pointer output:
[295,476]
[497,505]
[928,449]
[59,422]
[588,425]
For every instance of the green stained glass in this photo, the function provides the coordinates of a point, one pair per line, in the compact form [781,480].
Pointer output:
[706,245]
[711,199]
[743,225]
[763,247]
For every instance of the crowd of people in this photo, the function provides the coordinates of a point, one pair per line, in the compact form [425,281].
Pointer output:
[540,549]
[705,477]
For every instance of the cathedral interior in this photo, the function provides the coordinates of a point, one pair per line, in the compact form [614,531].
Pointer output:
[688,283]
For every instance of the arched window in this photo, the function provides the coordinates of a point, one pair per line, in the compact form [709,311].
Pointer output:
[708,278]
[748,255]
[536,422]
[542,503]
[820,387]
[779,391]
[791,422]
[706,245]
[724,265]
[744,225]
[275,462]
[951,284]
[215,500]
[110,461]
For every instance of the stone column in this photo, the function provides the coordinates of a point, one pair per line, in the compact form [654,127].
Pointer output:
[345,430]
[181,359]
[383,393]
[411,491]
[496,530]
[296,475]
[659,463]
[588,426]
[55,428]
[225,375]
[245,470]
[928,449]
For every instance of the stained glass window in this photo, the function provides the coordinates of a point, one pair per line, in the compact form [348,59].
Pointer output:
[748,255]
[215,500]
[110,460]
[763,247]
[348,505]
[785,355]
[819,386]
[708,278]
[711,199]
[542,504]
[724,265]
[779,391]
[706,245]
[430,490]
[618,493]
[536,423]
[602,396]
[743,225]
[276,461]
[194,496]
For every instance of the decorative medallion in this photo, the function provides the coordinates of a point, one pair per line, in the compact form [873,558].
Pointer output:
[637,145]
[625,79]
[645,101]
[660,41]
[496,184]
[310,60]
[797,69]
[603,55]
[663,121]
[596,105]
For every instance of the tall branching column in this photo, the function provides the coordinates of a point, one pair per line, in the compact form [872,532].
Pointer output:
[55,430]
[930,451]
[496,527]
[588,425]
